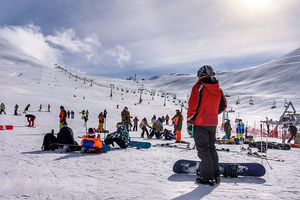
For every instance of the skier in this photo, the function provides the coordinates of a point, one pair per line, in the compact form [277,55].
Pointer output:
[65,135]
[16,109]
[284,135]
[68,114]
[62,116]
[135,124]
[72,114]
[104,115]
[227,129]
[40,107]
[87,115]
[30,119]
[157,129]
[293,130]
[240,130]
[177,121]
[48,107]
[90,141]
[143,126]
[206,102]
[121,137]
[153,120]
[26,108]
[2,108]
[82,114]
[125,115]
[167,119]
[101,122]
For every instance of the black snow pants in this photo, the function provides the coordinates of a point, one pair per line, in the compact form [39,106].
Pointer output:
[205,138]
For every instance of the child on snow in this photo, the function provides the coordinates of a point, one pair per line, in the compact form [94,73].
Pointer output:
[91,143]
[121,137]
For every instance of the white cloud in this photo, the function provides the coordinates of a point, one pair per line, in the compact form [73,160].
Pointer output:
[68,40]
[30,41]
[121,54]
[63,44]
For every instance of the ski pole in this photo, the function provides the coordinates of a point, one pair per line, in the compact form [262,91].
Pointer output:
[261,140]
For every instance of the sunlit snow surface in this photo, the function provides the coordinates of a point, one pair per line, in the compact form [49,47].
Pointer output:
[26,172]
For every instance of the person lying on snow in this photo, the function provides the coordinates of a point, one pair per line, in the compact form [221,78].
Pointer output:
[90,143]
[121,136]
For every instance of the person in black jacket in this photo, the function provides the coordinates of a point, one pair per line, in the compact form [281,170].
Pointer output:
[16,109]
[49,139]
[65,135]
[293,130]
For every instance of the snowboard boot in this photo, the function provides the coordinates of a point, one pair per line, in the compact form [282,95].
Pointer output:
[231,170]
[205,181]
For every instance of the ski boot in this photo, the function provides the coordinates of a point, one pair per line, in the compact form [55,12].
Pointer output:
[218,180]
[205,181]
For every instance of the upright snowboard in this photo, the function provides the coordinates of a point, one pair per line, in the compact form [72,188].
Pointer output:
[140,145]
[242,169]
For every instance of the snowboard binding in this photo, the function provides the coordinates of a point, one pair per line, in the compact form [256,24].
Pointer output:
[231,171]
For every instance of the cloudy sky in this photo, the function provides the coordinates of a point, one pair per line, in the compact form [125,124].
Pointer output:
[119,38]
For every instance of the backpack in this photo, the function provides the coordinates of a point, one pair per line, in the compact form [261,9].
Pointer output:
[49,138]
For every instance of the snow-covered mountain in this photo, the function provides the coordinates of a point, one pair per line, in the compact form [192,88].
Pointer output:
[277,80]
[28,173]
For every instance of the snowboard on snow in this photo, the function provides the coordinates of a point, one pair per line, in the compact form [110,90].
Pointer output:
[140,145]
[6,127]
[271,145]
[226,169]
[74,147]
[186,145]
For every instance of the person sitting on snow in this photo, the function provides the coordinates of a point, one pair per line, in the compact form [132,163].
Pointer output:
[49,139]
[65,135]
[121,136]
[169,135]
[91,143]
[157,129]
[30,119]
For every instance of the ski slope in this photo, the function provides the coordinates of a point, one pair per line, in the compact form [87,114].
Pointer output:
[28,173]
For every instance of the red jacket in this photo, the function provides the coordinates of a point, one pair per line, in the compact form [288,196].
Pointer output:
[62,115]
[206,102]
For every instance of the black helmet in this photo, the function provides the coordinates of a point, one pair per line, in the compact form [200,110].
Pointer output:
[206,70]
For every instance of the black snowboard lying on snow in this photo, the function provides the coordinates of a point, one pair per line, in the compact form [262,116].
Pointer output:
[226,169]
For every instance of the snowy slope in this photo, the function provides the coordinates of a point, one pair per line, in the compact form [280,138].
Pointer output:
[277,80]
[28,173]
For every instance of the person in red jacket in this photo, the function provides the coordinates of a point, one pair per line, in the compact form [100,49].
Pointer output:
[62,116]
[206,102]
[167,119]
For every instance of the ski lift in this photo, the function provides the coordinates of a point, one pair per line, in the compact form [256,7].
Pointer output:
[274,105]
[285,103]
[238,101]
[251,101]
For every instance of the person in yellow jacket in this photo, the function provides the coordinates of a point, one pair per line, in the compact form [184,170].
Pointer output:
[91,143]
